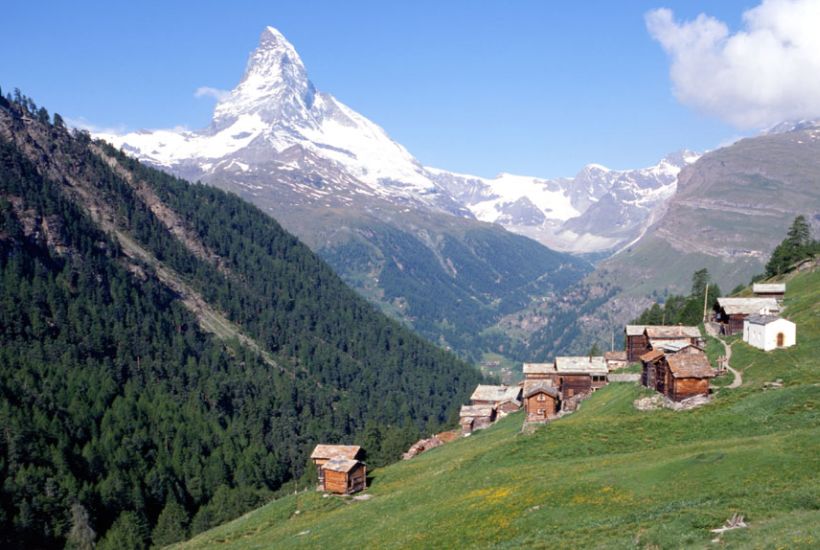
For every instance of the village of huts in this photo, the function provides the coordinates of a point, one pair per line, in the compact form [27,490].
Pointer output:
[672,362]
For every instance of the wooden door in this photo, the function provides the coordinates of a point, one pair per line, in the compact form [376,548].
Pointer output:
[780,339]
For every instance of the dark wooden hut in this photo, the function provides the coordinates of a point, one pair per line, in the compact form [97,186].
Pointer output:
[687,375]
[636,342]
[323,454]
[344,476]
[541,400]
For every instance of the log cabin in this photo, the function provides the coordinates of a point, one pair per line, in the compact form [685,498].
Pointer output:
[686,375]
[541,400]
[323,454]
[769,290]
[635,341]
[575,375]
[344,476]
[730,312]
[651,361]
[475,417]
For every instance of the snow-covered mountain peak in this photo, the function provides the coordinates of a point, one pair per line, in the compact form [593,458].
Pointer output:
[275,85]
[276,138]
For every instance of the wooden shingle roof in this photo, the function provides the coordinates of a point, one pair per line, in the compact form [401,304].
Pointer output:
[695,365]
[341,465]
[652,355]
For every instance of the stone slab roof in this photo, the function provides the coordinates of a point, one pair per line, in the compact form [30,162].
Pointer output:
[475,410]
[583,364]
[672,331]
[335,451]
[635,330]
[538,368]
[769,287]
[747,306]
[764,319]
[615,356]
[498,394]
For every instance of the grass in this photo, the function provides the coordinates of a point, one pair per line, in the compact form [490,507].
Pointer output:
[607,476]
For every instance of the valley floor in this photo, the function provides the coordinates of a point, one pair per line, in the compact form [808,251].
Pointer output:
[607,476]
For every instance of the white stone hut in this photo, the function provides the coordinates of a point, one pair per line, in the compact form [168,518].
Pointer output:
[768,332]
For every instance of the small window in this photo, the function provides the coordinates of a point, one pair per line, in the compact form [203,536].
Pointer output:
[542,397]
[541,412]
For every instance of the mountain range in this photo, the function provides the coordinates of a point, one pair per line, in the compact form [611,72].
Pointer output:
[436,249]
[275,136]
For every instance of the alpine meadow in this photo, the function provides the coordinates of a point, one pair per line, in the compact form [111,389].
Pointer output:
[410,275]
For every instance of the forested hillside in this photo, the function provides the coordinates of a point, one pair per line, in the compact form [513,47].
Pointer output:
[169,354]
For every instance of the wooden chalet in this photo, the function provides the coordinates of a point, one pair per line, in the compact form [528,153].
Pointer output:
[687,375]
[657,335]
[615,360]
[504,399]
[344,476]
[475,417]
[651,361]
[769,290]
[323,454]
[541,400]
[679,375]
[636,342]
[731,312]
[579,375]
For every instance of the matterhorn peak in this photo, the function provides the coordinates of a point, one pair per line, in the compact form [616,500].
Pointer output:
[275,85]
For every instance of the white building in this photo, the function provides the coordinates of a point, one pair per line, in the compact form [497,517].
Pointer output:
[768,332]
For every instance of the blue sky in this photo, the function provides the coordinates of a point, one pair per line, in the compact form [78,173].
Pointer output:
[528,87]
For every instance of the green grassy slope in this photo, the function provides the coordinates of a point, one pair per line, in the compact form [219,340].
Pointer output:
[607,476]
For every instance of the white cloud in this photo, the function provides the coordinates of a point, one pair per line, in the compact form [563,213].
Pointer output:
[765,73]
[207,91]
[82,124]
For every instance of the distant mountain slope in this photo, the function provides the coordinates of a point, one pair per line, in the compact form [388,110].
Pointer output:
[167,346]
[607,476]
[596,211]
[732,207]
